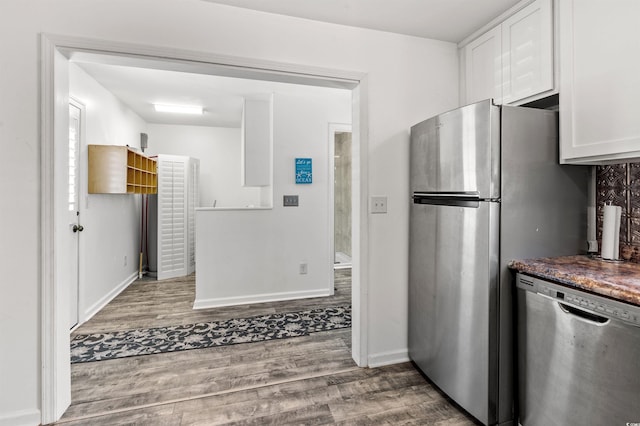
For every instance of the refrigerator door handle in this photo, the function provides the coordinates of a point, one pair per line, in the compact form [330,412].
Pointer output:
[451,194]
[460,199]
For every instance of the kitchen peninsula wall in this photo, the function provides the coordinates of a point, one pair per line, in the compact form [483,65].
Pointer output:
[620,185]
[255,255]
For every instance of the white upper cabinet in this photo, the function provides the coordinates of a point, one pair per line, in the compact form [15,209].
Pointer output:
[527,49]
[257,137]
[599,81]
[483,67]
[512,62]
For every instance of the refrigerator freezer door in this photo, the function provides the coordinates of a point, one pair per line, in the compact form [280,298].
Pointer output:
[453,301]
[458,151]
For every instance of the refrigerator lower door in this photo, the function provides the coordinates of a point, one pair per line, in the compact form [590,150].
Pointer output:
[453,278]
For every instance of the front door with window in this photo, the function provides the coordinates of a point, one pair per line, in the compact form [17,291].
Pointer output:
[73,210]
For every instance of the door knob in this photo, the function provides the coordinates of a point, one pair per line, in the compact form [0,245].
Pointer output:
[78,228]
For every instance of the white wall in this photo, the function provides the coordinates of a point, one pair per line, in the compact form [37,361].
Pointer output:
[409,79]
[111,222]
[218,149]
[253,256]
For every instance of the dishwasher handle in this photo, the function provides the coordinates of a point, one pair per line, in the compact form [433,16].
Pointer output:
[585,315]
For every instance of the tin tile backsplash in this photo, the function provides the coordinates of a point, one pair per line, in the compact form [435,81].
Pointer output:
[620,185]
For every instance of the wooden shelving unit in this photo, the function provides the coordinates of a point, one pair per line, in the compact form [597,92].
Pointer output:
[117,169]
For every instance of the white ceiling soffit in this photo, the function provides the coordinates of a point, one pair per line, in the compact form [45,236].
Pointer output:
[322,77]
[447,20]
[221,97]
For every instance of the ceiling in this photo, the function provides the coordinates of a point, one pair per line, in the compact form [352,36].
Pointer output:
[448,20]
[222,97]
[139,85]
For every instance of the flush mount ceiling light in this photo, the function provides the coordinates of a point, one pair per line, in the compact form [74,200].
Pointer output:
[179,109]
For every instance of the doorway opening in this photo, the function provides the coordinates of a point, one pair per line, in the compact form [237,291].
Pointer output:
[341,140]
[56,52]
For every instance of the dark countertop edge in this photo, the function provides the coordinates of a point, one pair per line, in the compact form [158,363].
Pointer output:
[600,288]
[564,282]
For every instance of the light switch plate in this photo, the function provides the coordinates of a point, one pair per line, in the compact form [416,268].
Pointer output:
[290,200]
[378,204]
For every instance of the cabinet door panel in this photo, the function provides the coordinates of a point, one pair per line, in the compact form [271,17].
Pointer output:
[257,134]
[600,80]
[528,52]
[483,59]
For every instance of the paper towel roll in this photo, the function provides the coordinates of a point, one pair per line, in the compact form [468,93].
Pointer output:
[611,232]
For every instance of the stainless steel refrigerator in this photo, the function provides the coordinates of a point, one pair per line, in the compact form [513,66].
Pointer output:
[486,188]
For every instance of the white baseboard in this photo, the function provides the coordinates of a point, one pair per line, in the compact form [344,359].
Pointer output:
[21,418]
[96,307]
[388,358]
[258,298]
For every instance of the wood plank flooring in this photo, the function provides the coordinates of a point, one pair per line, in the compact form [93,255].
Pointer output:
[304,380]
[148,303]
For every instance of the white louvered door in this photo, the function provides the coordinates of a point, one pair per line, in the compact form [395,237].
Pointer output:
[172,216]
[192,202]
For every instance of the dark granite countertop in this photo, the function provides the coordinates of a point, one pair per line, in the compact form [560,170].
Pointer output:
[617,280]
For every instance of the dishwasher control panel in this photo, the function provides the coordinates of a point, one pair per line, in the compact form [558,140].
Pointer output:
[580,299]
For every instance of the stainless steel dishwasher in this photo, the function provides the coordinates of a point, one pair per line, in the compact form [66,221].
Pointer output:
[578,357]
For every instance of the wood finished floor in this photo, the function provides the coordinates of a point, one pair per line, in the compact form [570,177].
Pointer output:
[303,381]
[150,303]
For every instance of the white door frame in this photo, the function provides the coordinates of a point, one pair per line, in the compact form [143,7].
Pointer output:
[55,51]
[55,382]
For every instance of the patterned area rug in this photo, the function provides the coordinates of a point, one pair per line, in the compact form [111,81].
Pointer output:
[103,346]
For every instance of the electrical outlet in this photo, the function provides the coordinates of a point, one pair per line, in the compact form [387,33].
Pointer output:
[125,260]
[290,200]
[303,268]
[378,205]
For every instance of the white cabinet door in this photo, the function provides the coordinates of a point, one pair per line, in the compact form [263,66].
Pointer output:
[256,142]
[599,81]
[483,67]
[527,46]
